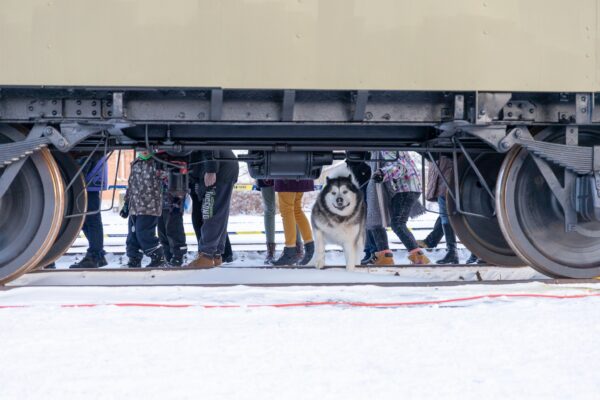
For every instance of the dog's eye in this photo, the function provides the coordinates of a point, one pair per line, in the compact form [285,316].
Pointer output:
[334,193]
[345,192]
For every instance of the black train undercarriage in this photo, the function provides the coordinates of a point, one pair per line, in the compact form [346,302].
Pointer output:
[525,190]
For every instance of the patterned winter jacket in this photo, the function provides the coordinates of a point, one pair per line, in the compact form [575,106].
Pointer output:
[145,188]
[402,174]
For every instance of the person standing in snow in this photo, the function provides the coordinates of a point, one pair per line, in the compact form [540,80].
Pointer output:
[392,197]
[96,178]
[143,206]
[214,173]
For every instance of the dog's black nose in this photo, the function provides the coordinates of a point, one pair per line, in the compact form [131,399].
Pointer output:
[340,201]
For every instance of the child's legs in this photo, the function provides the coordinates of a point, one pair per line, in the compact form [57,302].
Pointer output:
[145,232]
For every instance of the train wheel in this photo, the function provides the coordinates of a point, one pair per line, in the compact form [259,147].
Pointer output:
[31,211]
[533,221]
[75,203]
[480,235]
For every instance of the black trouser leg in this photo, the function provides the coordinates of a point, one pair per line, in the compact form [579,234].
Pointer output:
[145,233]
[162,234]
[214,229]
[434,237]
[401,205]
[175,232]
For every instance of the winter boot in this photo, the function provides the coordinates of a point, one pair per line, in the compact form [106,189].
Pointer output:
[451,256]
[157,258]
[384,257]
[472,259]
[416,256]
[299,252]
[134,263]
[218,260]
[367,259]
[270,253]
[289,256]
[90,261]
[309,252]
[202,261]
[175,262]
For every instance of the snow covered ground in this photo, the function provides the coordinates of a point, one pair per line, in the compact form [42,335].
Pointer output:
[526,341]
[491,348]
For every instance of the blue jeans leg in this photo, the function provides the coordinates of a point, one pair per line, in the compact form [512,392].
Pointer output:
[92,226]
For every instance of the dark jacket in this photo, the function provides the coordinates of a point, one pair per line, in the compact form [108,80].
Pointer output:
[227,171]
[435,183]
[361,171]
[294,185]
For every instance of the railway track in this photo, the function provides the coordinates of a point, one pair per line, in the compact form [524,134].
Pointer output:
[270,276]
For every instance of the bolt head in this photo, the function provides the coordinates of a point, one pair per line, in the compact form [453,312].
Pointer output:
[518,133]
[505,145]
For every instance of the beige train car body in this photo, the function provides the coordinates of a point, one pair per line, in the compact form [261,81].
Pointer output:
[495,45]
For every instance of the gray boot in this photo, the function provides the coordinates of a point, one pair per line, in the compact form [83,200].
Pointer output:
[288,257]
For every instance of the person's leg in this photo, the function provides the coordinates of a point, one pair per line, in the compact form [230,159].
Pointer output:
[301,220]
[303,225]
[93,229]
[268,197]
[145,230]
[286,208]
[133,249]
[227,250]
[162,233]
[288,217]
[196,214]
[402,204]
[176,235]
[382,255]
[451,256]
[214,229]
[434,237]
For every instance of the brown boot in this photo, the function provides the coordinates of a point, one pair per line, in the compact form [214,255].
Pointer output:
[416,256]
[202,261]
[270,253]
[423,244]
[218,260]
[384,257]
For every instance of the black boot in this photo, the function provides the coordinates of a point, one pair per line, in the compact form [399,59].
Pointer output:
[288,257]
[175,262]
[270,253]
[309,252]
[90,261]
[367,259]
[134,262]
[451,256]
[473,259]
[157,258]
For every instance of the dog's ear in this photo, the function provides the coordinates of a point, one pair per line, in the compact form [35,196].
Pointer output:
[328,179]
[349,177]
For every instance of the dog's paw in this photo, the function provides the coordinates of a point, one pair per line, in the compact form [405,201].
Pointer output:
[350,267]
[320,264]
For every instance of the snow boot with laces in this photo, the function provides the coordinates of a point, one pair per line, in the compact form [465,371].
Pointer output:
[157,258]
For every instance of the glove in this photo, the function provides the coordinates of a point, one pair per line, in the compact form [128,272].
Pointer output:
[124,213]
[377,176]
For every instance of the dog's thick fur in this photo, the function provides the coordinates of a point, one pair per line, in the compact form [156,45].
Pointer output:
[339,217]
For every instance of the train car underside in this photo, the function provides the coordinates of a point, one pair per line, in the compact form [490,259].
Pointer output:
[525,191]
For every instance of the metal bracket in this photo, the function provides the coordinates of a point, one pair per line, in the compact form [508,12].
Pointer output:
[489,106]
[519,111]
[583,108]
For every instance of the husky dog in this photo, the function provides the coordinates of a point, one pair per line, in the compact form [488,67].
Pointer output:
[339,217]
